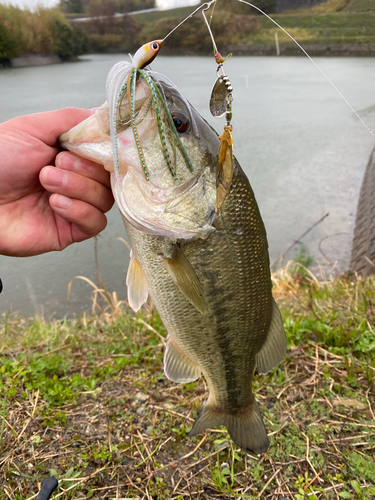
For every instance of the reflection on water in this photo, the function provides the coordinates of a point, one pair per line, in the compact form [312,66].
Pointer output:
[302,148]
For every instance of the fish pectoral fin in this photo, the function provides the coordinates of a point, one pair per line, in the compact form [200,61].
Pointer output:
[177,366]
[136,283]
[185,278]
[274,348]
[246,428]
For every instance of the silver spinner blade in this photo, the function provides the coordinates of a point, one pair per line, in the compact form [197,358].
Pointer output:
[219,98]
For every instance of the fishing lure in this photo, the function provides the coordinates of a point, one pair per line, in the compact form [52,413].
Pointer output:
[221,104]
[127,76]
[222,96]
[122,82]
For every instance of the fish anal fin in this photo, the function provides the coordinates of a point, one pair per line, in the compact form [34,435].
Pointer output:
[185,278]
[136,283]
[274,348]
[246,428]
[177,366]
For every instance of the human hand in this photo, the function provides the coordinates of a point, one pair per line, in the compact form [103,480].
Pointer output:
[42,207]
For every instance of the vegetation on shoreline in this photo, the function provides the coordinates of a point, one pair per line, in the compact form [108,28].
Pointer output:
[43,32]
[86,400]
[332,25]
[335,26]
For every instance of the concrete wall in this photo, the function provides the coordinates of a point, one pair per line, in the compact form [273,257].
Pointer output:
[34,60]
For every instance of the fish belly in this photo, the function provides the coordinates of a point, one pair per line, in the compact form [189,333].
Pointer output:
[232,266]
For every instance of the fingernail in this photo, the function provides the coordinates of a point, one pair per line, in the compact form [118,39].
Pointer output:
[67,161]
[55,177]
[60,201]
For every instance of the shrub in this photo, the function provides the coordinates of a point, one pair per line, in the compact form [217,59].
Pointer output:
[9,46]
[43,32]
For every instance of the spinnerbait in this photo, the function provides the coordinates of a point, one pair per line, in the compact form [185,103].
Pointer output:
[221,103]
[142,58]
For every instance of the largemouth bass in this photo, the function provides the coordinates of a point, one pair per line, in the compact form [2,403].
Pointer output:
[207,272]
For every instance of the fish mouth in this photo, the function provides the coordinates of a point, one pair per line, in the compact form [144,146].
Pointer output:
[165,184]
[155,125]
[92,137]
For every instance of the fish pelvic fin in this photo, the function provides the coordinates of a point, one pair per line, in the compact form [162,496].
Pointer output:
[274,348]
[136,283]
[185,278]
[246,428]
[178,367]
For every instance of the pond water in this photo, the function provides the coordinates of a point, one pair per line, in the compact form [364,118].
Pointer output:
[302,148]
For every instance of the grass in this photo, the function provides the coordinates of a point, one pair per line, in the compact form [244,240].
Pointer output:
[86,400]
[327,26]
[328,29]
[361,6]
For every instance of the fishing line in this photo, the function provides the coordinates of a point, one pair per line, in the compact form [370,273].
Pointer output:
[209,27]
[212,12]
[207,5]
[204,6]
[314,63]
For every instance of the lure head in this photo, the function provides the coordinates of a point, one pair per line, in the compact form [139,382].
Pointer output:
[146,54]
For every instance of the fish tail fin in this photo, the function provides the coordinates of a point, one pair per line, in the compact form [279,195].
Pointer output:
[246,428]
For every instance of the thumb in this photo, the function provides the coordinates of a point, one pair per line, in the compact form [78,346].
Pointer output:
[48,126]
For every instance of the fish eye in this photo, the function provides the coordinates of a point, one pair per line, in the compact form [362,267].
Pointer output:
[180,121]
[155,46]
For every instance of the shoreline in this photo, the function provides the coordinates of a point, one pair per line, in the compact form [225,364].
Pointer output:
[314,50]
[30,60]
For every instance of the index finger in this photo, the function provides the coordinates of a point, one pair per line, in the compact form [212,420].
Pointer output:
[69,161]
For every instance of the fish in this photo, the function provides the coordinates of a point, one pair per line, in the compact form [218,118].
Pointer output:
[207,270]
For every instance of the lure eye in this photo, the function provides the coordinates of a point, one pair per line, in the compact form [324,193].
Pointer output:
[154,45]
[180,121]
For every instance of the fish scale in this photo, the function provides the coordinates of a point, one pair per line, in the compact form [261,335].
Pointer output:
[239,295]
[205,264]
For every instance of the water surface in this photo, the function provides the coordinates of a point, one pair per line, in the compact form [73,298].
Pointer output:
[302,148]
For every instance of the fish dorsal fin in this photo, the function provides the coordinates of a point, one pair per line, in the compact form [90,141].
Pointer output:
[136,283]
[274,348]
[177,366]
[185,278]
